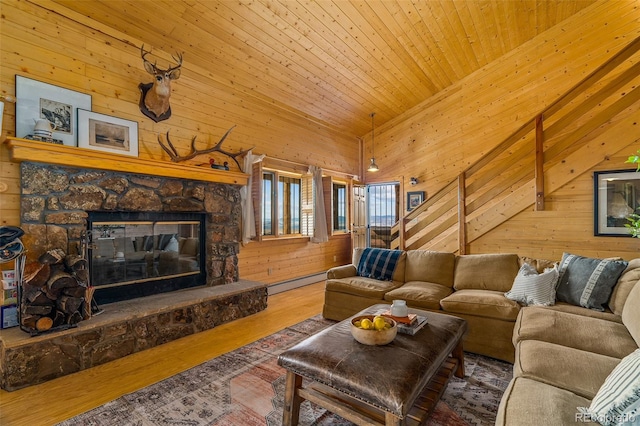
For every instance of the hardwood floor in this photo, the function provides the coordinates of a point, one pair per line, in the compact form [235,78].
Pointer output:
[65,397]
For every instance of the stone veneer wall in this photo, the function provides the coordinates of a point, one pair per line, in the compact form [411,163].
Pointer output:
[55,201]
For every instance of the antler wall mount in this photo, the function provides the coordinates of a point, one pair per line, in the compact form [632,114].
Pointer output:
[154,97]
[175,157]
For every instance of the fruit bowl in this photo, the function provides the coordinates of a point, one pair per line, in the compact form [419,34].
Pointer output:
[373,336]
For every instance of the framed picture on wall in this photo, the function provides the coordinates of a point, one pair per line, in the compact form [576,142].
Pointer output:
[414,199]
[106,133]
[36,100]
[616,195]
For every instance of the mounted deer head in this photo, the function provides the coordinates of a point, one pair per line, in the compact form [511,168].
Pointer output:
[154,97]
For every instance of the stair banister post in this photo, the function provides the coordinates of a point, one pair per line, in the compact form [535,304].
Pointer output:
[462,217]
[539,172]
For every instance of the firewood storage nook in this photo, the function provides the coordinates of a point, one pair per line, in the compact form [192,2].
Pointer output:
[59,187]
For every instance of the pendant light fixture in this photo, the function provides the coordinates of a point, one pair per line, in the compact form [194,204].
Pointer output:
[373,167]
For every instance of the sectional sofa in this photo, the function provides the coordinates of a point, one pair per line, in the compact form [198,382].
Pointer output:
[562,353]
[471,287]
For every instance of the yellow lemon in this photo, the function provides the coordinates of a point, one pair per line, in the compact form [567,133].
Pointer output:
[366,324]
[379,323]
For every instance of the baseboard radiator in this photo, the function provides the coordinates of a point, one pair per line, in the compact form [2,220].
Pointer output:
[298,282]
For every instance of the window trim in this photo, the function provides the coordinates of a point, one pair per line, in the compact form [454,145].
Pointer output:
[275,200]
[332,214]
[280,167]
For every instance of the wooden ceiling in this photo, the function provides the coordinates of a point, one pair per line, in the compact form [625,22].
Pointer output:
[335,61]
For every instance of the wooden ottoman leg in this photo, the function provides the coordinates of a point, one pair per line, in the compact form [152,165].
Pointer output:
[392,420]
[458,353]
[292,400]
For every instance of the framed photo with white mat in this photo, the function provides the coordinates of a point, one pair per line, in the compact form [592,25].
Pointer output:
[106,133]
[36,100]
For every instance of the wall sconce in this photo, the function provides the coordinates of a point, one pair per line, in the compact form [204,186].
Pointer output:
[373,167]
[413,181]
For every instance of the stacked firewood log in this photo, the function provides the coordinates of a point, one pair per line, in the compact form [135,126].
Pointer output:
[54,292]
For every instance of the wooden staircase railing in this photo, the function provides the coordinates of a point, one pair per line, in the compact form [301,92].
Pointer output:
[501,183]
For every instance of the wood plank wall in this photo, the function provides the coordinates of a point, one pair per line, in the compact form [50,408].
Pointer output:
[438,139]
[44,41]
[434,141]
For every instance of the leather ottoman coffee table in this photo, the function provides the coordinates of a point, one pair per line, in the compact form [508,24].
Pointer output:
[395,384]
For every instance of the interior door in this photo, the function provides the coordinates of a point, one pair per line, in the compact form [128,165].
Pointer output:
[359,223]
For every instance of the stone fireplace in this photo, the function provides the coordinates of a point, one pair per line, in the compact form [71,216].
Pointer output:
[58,199]
[56,202]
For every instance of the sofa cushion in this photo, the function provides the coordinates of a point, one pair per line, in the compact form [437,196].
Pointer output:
[398,274]
[575,331]
[420,294]
[361,286]
[580,372]
[579,310]
[483,303]
[528,402]
[587,282]
[533,288]
[431,266]
[617,400]
[627,280]
[485,272]
[631,313]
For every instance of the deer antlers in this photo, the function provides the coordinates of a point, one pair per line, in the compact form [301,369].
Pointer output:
[175,157]
[153,69]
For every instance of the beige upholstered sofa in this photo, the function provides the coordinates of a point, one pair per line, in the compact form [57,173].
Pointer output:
[471,287]
[562,353]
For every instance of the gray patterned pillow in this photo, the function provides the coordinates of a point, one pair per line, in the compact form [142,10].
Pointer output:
[587,282]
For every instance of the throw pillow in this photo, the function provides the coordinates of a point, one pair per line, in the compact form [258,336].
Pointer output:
[587,282]
[531,288]
[378,263]
[617,400]
[172,245]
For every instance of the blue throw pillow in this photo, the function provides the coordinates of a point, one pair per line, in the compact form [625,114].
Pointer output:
[587,282]
[378,263]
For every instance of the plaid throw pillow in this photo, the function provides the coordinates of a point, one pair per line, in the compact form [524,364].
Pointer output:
[378,263]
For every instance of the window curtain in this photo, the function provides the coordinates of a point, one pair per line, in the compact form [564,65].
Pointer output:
[320,234]
[246,201]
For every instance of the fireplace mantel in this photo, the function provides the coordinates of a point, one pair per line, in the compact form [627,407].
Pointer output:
[42,152]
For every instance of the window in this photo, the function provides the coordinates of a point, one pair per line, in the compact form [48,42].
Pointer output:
[339,207]
[284,203]
[289,204]
[268,195]
[383,211]
[282,209]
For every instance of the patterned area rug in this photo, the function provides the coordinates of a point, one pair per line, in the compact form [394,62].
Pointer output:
[246,387]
